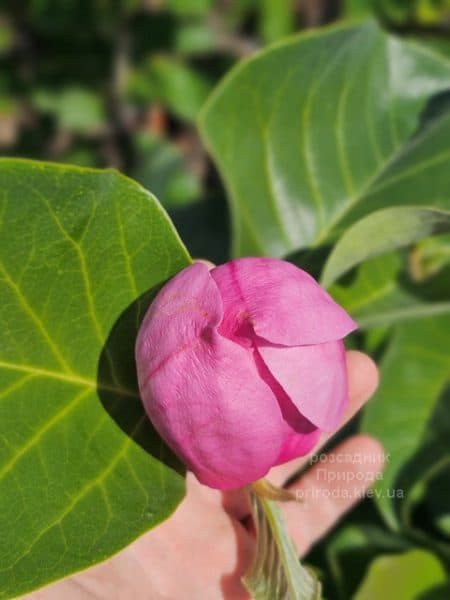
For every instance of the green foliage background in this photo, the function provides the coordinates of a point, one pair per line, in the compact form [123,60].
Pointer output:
[128,84]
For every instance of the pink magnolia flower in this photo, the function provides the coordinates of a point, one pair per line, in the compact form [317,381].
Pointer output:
[240,368]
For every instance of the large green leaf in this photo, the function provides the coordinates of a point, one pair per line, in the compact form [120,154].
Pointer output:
[414,373]
[82,472]
[315,132]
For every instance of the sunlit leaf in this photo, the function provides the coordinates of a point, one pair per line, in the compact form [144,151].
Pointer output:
[317,131]
[82,473]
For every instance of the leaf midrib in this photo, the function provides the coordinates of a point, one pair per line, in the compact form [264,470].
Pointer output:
[68,377]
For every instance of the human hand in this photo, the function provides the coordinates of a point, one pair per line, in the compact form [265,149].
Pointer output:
[205,547]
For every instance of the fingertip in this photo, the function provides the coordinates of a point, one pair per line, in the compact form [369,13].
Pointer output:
[371,447]
[331,487]
[366,440]
[363,377]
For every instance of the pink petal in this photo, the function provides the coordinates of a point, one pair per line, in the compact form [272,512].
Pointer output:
[300,435]
[297,444]
[207,401]
[314,378]
[282,303]
[187,304]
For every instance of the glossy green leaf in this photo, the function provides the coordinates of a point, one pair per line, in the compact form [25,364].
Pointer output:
[382,293]
[414,373]
[82,472]
[402,576]
[380,232]
[276,571]
[315,132]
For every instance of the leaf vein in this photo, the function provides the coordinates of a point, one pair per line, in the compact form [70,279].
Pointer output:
[28,309]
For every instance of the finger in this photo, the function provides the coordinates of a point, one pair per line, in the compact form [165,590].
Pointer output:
[331,488]
[362,382]
[236,503]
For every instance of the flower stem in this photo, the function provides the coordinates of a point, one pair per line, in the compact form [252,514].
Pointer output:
[276,572]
